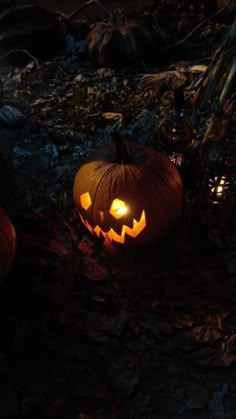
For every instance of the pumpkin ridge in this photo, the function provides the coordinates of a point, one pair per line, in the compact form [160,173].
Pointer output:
[107,172]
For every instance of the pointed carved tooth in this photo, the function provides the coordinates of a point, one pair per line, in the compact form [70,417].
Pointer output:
[138,227]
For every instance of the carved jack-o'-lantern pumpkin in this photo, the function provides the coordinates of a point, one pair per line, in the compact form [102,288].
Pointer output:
[7,244]
[128,194]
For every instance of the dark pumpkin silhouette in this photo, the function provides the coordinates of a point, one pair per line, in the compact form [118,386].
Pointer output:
[119,42]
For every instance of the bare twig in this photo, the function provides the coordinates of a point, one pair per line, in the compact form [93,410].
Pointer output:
[224,111]
[211,76]
[24,51]
[229,84]
[88,3]
[195,29]
[220,123]
[212,79]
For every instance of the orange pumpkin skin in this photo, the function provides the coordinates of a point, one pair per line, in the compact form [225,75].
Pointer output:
[149,185]
[8,244]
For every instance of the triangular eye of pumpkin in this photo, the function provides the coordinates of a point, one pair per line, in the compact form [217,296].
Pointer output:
[118,208]
[85,200]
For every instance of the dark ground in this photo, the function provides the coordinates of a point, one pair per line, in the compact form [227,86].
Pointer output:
[90,335]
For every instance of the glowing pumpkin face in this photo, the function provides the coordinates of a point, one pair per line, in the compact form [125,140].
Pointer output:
[132,203]
[120,211]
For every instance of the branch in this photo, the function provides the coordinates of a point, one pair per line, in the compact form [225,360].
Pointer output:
[224,112]
[88,3]
[24,51]
[195,29]
[219,60]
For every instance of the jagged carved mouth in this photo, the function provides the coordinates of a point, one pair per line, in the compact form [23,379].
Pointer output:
[112,235]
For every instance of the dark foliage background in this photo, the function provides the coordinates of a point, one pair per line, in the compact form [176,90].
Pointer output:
[92,334]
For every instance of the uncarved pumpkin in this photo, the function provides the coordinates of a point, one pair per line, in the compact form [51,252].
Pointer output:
[128,194]
[120,43]
[8,244]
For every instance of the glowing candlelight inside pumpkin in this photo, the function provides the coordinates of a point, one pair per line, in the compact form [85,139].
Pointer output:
[118,208]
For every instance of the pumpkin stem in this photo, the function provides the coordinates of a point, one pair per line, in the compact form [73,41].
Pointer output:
[122,152]
[86,4]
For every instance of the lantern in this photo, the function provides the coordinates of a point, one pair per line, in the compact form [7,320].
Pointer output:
[8,243]
[220,171]
[175,131]
[128,194]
